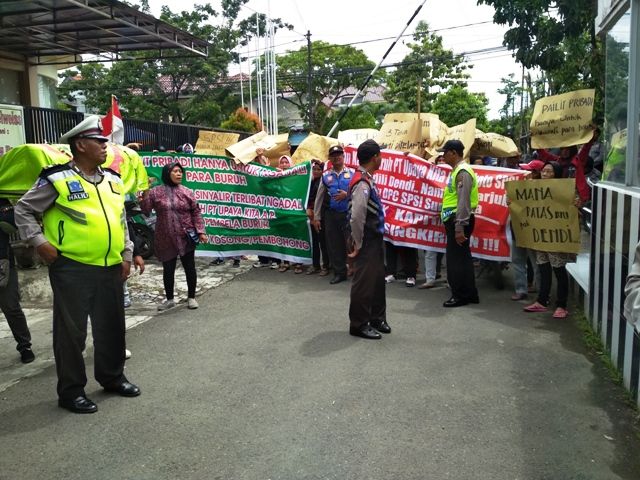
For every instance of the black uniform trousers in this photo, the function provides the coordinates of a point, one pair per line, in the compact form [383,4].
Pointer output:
[460,272]
[319,246]
[336,238]
[10,306]
[368,298]
[81,291]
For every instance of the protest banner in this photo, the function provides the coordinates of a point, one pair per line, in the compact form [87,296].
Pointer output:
[402,136]
[411,191]
[247,209]
[214,143]
[493,145]
[313,147]
[11,127]
[562,120]
[245,150]
[543,214]
[356,136]
[432,130]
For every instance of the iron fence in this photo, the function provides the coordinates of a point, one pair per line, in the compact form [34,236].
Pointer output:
[46,125]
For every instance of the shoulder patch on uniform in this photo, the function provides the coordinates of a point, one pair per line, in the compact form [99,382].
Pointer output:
[50,170]
[113,172]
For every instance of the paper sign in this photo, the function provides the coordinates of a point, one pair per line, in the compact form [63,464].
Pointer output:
[214,143]
[313,147]
[11,127]
[493,145]
[543,214]
[245,150]
[356,136]
[402,136]
[465,132]
[562,120]
[432,130]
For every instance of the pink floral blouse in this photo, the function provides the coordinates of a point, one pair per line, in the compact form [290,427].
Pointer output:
[177,210]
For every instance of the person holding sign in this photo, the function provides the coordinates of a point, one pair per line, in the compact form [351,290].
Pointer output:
[333,192]
[368,307]
[555,261]
[458,203]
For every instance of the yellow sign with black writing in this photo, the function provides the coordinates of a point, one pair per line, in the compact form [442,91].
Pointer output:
[402,136]
[562,120]
[313,147]
[494,145]
[214,143]
[543,214]
[432,130]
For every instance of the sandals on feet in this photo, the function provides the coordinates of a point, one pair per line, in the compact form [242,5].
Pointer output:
[560,313]
[298,269]
[535,308]
[283,268]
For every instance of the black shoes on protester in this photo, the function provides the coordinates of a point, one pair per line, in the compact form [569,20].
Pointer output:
[459,302]
[79,404]
[27,356]
[125,389]
[365,332]
[338,279]
[382,327]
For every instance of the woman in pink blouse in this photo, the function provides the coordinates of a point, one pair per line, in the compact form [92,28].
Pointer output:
[178,215]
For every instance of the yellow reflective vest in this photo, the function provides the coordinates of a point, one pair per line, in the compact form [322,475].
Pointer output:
[86,223]
[450,197]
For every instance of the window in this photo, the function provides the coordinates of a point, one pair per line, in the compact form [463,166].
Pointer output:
[10,87]
[616,90]
[47,95]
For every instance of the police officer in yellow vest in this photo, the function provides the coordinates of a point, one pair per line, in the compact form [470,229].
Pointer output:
[458,203]
[86,245]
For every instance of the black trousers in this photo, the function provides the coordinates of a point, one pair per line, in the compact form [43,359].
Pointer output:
[460,272]
[81,291]
[409,259]
[562,277]
[336,237]
[169,273]
[368,297]
[319,246]
[10,306]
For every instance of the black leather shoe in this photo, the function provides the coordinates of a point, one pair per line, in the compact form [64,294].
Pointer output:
[365,332]
[338,279]
[382,327]
[27,356]
[125,389]
[79,404]
[455,302]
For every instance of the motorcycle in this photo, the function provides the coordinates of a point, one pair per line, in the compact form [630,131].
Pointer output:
[141,229]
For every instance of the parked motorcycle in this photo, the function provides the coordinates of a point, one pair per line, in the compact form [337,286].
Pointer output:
[141,229]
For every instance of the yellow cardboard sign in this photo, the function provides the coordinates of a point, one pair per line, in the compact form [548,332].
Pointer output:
[465,132]
[214,143]
[280,148]
[562,120]
[402,136]
[494,145]
[356,136]
[313,147]
[245,150]
[432,130]
[543,214]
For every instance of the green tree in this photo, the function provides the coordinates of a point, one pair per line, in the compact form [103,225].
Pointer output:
[358,116]
[428,65]
[243,121]
[557,36]
[457,105]
[175,87]
[336,71]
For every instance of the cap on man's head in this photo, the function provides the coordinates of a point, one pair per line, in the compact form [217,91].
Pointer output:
[455,145]
[367,149]
[533,165]
[336,150]
[90,127]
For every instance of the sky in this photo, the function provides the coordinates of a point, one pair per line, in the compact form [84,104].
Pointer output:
[464,26]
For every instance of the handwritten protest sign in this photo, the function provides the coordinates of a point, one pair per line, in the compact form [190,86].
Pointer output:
[214,143]
[494,145]
[411,190]
[432,130]
[465,132]
[245,150]
[543,214]
[356,136]
[247,209]
[279,148]
[11,127]
[402,136]
[314,147]
[562,120]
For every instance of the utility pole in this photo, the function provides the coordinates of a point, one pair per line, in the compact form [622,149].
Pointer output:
[309,81]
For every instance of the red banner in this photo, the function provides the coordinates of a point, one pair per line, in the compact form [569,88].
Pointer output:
[411,190]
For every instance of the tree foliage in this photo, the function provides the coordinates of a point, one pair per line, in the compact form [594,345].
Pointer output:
[243,121]
[175,87]
[428,65]
[557,36]
[457,105]
[337,71]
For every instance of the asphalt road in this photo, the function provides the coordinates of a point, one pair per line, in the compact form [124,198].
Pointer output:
[263,382]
